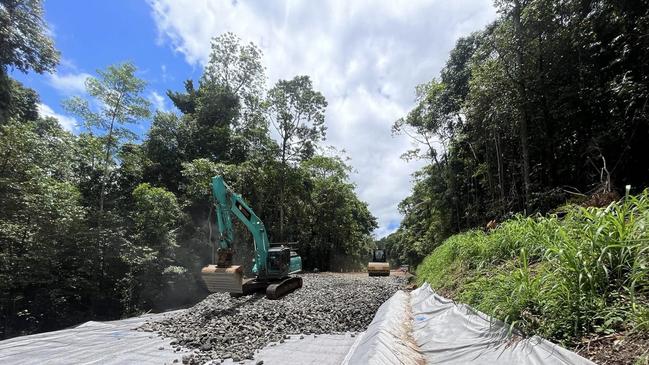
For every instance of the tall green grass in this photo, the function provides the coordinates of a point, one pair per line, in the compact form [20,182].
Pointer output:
[563,278]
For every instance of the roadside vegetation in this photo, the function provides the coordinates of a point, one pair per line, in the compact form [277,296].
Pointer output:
[578,273]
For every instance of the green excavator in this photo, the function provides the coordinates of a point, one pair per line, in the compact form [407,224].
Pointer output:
[274,264]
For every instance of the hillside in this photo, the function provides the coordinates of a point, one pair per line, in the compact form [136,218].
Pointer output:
[578,277]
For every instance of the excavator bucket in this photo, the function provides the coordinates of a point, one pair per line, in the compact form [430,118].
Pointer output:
[223,279]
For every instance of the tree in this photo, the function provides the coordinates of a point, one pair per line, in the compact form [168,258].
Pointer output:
[24,42]
[41,224]
[16,101]
[426,122]
[117,102]
[211,114]
[296,111]
[520,83]
[184,101]
[336,225]
[156,215]
[164,148]
[235,66]
[25,45]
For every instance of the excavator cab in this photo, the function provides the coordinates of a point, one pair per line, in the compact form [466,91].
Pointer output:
[282,261]
[379,265]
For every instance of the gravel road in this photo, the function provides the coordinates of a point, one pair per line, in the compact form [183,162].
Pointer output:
[222,327]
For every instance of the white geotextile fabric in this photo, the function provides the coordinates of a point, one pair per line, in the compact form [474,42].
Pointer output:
[311,350]
[117,342]
[387,340]
[452,333]
[114,342]
[425,328]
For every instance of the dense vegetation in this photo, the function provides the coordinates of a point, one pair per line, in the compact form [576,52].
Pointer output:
[545,105]
[582,272]
[96,225]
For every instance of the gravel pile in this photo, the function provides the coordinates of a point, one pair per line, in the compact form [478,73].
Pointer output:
[222,327]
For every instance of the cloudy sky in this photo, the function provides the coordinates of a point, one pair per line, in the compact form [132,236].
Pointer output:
[366,57]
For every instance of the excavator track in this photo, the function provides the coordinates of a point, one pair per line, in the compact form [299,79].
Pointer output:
[250,286]
[286,286]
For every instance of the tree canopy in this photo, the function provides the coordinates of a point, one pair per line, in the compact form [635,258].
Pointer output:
[24,40]
[544,106]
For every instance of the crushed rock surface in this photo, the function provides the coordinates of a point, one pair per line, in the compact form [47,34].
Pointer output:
[222,327]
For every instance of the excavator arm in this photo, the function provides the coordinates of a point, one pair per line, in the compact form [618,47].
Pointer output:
[227,202]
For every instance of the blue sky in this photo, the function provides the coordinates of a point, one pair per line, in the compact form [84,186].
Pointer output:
[94,34]
[365,56]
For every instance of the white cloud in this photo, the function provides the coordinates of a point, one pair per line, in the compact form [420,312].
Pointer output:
[69,84]
[158,101]
[165,74]
[366,57]
[66,122]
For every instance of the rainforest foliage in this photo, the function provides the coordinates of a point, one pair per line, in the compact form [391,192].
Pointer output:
[545,105]
[105,222]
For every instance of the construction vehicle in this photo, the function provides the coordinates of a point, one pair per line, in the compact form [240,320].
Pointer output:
[273,266]
[379,265]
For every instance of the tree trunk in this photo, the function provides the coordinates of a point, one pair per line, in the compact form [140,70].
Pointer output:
[105,174]
[524,120]
[282,190]
[501,176]
[102,192]
[526,157]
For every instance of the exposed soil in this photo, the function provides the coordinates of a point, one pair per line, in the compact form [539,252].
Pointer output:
[617,349]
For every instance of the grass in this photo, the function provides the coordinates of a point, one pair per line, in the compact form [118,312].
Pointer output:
[586,273]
